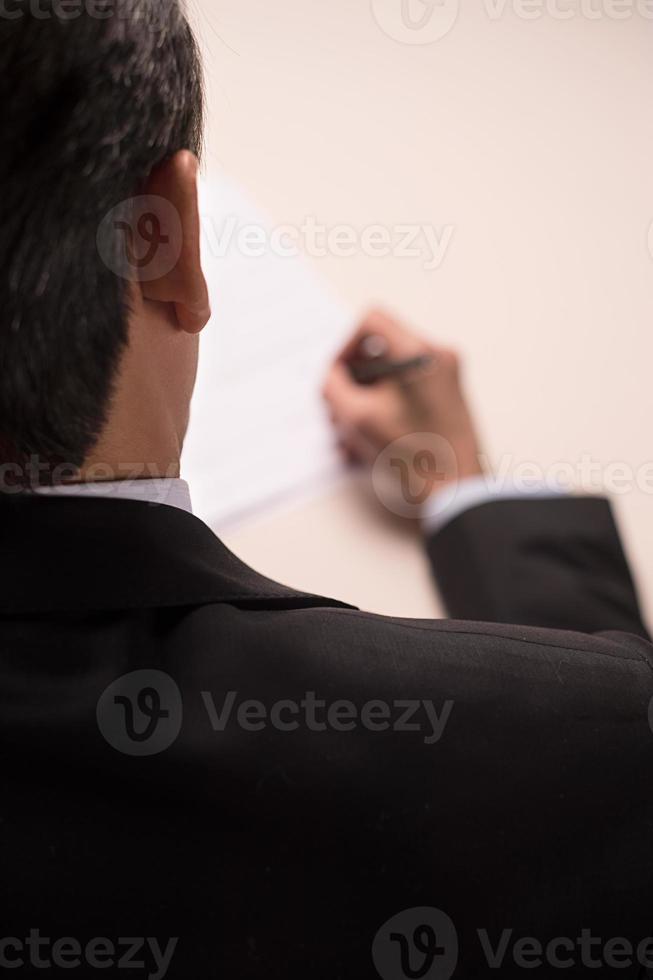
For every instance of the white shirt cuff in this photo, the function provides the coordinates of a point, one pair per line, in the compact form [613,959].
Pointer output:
[449,503]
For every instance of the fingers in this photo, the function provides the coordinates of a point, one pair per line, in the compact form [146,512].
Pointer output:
[401,342]
[355,412]
[414,406]
[345,397]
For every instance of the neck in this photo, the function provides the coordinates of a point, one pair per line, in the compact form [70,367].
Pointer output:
[141,439]
[129,465]
[148,416]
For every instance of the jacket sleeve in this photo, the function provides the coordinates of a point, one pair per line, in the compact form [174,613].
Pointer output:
[555,563]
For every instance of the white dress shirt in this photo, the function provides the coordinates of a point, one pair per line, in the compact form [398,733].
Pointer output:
[172,493]
[443,507]
[438,511]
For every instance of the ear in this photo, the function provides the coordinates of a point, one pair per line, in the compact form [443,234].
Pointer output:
[172,194]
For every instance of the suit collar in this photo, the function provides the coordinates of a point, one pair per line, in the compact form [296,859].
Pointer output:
[84,554]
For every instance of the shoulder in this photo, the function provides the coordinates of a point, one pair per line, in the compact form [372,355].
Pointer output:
[350,642]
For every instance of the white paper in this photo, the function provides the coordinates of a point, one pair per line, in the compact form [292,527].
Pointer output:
[259,433]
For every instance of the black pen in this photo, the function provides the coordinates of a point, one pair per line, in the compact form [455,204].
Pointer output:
[367,371]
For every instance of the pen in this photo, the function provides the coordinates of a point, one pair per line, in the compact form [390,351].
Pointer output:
[375,366]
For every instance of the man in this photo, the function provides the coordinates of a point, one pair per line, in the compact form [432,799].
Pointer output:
[206,773]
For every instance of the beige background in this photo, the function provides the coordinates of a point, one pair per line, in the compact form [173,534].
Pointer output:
[534,139]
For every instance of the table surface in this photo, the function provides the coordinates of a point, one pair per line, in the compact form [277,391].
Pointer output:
[531,140]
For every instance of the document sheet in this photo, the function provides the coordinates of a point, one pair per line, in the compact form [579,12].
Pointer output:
[259,433]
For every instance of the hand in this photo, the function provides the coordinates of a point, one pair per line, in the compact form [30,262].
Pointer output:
[423,415]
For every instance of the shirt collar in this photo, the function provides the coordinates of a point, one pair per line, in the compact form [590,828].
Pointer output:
[172,493]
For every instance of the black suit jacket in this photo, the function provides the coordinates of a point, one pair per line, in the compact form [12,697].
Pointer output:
[279,846]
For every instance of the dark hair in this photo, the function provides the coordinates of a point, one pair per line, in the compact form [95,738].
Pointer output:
[92,104]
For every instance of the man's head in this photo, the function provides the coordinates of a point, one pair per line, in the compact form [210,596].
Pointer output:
[103,102]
